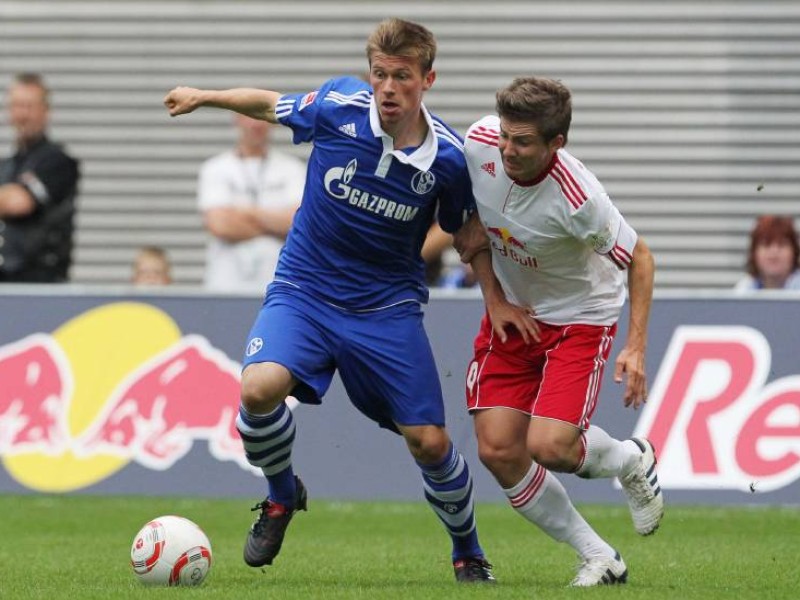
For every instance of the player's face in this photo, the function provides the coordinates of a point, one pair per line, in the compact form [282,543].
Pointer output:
[27,111]
[398,83]
[525,154]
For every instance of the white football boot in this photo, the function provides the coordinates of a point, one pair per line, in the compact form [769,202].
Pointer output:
[605,570]
[645,499]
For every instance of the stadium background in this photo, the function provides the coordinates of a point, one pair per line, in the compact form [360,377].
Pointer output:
[687,111]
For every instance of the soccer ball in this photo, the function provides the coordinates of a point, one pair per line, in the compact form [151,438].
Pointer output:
[171,550]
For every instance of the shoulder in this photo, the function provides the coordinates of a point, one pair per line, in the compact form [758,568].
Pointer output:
[793,282]
[347,91]
[55,153]
[746,283]
[349,84]
[218,162]
[484,132]
[446,136]
[56,148]
[51,165]
[577,184]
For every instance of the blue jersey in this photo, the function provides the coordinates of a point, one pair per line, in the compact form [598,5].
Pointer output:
[356,239]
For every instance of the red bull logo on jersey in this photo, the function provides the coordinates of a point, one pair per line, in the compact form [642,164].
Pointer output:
[715,420]
[507,246]
[337,184]
[115,385]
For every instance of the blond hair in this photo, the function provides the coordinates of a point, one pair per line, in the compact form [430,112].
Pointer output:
[396,37]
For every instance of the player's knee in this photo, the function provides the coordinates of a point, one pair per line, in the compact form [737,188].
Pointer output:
[549,458]
[258,398]
[554,455]
[428,445]
[496,456]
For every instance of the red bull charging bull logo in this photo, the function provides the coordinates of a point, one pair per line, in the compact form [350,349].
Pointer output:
[116,384]
[36,387]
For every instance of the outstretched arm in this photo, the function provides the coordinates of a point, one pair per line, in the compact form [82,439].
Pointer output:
[631,359]
[258,104]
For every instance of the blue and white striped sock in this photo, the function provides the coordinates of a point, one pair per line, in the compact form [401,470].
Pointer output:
[268,443]
[448,489]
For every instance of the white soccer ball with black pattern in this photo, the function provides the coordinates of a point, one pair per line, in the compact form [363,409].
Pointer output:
[169,551]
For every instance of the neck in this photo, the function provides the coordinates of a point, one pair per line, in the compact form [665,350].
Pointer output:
[246,151]
[411,134]
[25,143]
[773,283]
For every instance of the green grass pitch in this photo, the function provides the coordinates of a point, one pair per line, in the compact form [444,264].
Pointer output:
[75,547]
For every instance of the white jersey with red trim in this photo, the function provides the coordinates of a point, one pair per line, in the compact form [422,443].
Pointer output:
[559,245]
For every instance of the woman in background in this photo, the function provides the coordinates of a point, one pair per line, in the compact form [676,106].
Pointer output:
[773,261]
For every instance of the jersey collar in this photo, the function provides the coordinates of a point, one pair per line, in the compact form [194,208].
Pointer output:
[422,158]
[539,178]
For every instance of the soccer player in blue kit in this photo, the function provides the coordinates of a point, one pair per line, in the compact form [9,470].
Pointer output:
[349,285]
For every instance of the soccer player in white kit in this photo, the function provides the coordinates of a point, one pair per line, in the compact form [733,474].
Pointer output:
[561,251]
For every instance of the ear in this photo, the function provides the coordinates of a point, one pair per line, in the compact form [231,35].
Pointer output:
[556,143]
[430,77]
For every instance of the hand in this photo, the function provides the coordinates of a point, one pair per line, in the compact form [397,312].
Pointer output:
[504,313]
[631,361]
[182,100]
[470,239]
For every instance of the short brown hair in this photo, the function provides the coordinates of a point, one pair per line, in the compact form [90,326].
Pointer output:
[33,79]
[396,37]
[547,103]
[768,229]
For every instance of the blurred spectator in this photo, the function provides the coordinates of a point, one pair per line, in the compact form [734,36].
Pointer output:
[248,197]
[38,185]
[773,261]
[443,267]
[457,276]
[151,267]
[436,244]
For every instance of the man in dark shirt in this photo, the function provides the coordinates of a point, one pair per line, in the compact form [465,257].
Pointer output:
[37,192]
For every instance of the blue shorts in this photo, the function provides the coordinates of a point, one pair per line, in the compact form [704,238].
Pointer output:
[384,357]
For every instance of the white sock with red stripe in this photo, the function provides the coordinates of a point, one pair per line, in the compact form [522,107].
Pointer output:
[603,456]
[541,499]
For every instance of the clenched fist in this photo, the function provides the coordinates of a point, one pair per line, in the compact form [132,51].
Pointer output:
[182,100]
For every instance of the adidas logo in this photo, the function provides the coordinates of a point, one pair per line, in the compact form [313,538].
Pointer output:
[489,168]
[348,129]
